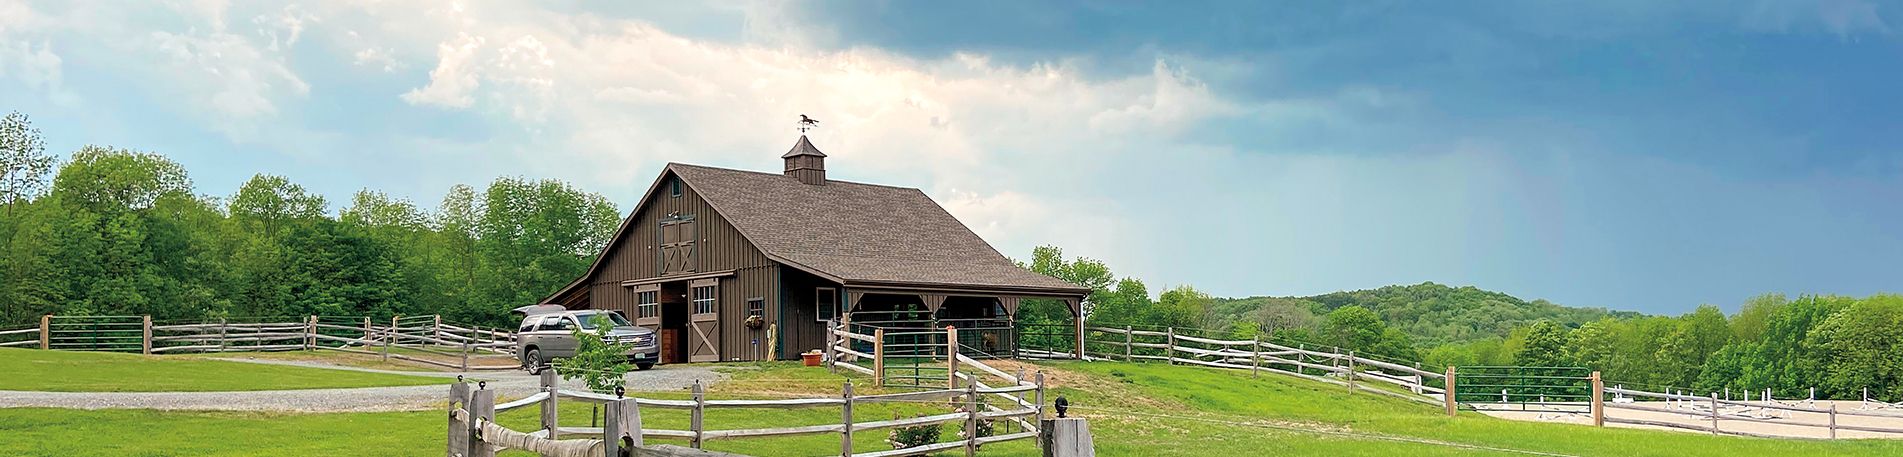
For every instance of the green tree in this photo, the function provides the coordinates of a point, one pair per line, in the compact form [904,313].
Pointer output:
[1352,327]
[24,163]
[1545,346]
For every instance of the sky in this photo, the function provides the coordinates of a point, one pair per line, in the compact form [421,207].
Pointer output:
[1637,155]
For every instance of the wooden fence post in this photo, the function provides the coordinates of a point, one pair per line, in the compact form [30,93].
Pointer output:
[436,331]
[699,413]
[1128,343]
[1038,403]
[1169,347]
[1833,421]
[459,429]
[845,432]
[482,408]
[465,357]
[1449,393]
[46,331]
[223,327]
[1714,413]
[951,357]
[1255,356]
[310,333]
[971,419]
[832,340]
[550,406]
[1351,372]
[145,345]
[621,426]
[878,356]
[389,337]
[1598,400]
[366,332]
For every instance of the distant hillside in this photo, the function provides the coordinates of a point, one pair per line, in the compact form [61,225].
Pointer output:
[1432,314]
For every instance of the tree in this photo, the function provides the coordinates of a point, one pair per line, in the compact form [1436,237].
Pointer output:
[1864,346]
[1352,327]
[268,202]
[1084,272]
[1545,346]
[1283,314]
[24,163]
[1182,306]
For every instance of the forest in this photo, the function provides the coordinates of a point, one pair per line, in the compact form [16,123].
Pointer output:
[113,231]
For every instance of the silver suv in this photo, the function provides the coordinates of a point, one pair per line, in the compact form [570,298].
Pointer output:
[545,336]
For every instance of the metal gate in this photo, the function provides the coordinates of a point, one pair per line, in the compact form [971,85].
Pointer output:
[97,333]
[1518,387]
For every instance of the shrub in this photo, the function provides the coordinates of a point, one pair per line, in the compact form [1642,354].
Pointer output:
[912,436]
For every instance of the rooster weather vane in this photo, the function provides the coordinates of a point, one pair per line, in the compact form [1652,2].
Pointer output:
[807,123]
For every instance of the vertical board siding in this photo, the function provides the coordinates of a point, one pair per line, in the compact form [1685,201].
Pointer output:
[719,247]
[802,331]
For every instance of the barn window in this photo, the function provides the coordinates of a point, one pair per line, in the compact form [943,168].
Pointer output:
[826,303]
[647,304]
[704,300]
[674,187]
[756,306]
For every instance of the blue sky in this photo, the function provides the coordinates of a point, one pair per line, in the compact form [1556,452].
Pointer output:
[1637,155]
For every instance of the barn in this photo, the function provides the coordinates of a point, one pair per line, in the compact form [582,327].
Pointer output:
[741,265]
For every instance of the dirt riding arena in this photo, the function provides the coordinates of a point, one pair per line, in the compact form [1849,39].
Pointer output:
[1792,419]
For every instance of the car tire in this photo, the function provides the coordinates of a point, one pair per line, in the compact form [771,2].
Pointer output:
[532,361]
[643,366]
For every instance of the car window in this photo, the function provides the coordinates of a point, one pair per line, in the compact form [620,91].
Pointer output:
[588,319]
[528,324]
[554,323]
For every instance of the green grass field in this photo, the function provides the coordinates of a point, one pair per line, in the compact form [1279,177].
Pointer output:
[62,371]
[1135,409]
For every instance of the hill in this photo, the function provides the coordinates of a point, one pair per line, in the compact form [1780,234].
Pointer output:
[1433,314]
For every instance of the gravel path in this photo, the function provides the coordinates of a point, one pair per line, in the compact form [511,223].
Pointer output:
[508,385]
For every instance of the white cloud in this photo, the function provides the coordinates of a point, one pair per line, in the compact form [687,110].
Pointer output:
[381,58]
[453,80]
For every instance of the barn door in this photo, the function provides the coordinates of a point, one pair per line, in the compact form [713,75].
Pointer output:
[677,246]
[703,322]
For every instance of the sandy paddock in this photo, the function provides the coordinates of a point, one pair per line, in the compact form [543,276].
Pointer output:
[1731,418]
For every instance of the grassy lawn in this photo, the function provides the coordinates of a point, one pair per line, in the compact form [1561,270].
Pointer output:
[351,359]
[64,371]
[1135,409]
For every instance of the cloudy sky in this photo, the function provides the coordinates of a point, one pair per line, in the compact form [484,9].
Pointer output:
[1636,155]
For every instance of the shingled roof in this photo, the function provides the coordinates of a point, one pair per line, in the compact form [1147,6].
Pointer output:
[859,234]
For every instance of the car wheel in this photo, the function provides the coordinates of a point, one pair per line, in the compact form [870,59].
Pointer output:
[643,366]
[532,361]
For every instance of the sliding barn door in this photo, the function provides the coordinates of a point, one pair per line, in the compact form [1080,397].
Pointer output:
[703,322]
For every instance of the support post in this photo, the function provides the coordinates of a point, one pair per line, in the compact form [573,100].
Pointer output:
[459,430]
[1080,329]
[1351,372]
[465,357]
[223,326]
[1169,347]
[436,331]
[845,431]
[951,357]
[621,427]
[1449,393]
[1833,421]
[1255,356]
[482,408]
[1598,400]
[971,419]
[366,332]
[46,331]
[549,406]
[310,333]
[389,337]
[878,356]
[1038,403]
[832,341]
[700,411]
[1128,343]
[1714,413]
[145,342]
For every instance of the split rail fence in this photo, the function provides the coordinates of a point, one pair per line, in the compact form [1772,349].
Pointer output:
[414,337]
[473,431]
[918,358]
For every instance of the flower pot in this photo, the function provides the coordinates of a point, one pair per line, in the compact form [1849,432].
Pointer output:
[811,359]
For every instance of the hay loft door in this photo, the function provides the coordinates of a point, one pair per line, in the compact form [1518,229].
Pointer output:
[703,339]
[677,247]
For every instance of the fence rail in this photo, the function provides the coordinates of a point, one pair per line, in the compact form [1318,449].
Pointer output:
[414,335]
[473,431]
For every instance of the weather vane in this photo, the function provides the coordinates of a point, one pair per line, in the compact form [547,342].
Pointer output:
[807,123]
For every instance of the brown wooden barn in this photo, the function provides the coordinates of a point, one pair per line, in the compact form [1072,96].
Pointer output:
[726,263]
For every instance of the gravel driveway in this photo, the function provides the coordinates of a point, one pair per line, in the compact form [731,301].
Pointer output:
[507,384]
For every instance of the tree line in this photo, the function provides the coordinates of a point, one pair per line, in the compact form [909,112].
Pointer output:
[111,231]
[1838,345]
